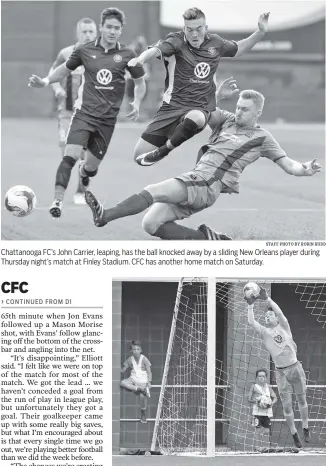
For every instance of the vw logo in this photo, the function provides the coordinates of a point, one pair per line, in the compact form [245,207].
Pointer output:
[202,70]
[104,76]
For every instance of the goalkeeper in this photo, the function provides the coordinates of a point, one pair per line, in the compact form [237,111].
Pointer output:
[290,376]
[263,397]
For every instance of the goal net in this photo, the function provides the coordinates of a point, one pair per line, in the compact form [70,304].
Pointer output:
[211,336]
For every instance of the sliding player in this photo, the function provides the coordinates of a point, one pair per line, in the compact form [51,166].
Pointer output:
[191,58]
[66,91]
[290,376]
[105,62]
[140,378]
[262,397]
[236,141]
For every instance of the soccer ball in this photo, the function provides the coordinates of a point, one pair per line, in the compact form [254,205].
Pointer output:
[265,401]
[251,290]
[20,201]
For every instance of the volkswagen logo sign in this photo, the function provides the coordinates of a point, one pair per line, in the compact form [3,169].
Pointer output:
[202,70]
[104,77]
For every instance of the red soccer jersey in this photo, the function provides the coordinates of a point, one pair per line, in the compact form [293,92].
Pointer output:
[103,79]
[190,72]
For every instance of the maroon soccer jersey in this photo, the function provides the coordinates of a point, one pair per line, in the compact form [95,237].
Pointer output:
[103,79]
[190,72]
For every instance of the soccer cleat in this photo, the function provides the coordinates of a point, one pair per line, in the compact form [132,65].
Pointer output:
[306,435]
[297,441]
[149,158]
[96,208]
[79,198]
[56,208]
[210,234]
[143,418]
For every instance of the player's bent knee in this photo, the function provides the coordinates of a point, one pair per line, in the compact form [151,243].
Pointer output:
[198,117]
[73,151]
[150,225]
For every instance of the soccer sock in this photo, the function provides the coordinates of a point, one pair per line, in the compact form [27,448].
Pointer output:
[304,415]
[174,231]
[87,173]
[184,131]
[63,176]
[131,206]
[290,421]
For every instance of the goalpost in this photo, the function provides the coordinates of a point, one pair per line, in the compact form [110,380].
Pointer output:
[211,361]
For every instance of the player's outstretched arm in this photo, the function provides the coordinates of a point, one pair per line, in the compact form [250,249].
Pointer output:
[139,93]
[247,44]
[58,90]
[278,312]
[144,57]
[295,168]
[55,76]
[251,319]
[227,89]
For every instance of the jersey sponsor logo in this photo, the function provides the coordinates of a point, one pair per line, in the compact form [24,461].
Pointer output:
[104,77]
[202,70]
[278,339]
[212,51]
[230,137]
[117,58]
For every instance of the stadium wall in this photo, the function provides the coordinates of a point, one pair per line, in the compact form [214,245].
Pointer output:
[147,309]
[116,364]
[33,33]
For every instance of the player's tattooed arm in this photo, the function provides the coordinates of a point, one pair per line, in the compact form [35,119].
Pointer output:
[57,75]
[247,44]
[292,167]
[139,93]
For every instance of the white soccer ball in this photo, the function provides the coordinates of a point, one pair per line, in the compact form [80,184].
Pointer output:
[20,201]
[251,289]
[265,401]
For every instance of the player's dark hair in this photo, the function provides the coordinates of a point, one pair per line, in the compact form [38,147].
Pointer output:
[135,343]
[113,13]
[193,13]
[261,370]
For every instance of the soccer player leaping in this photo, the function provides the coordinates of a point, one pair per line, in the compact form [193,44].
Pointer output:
[66,91]
[290,376]
[236,141]
[191,58]
[105,62]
